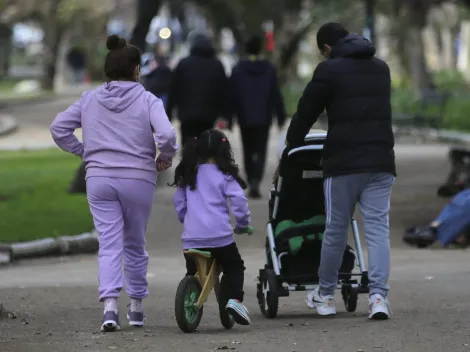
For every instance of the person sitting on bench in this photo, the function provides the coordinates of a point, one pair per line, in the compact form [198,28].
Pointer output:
[447,228]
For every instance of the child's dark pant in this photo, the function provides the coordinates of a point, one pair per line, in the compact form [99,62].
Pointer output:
[233,268]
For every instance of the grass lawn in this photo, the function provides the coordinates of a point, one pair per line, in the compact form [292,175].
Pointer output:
[7,94]
[34,202]
[7,85]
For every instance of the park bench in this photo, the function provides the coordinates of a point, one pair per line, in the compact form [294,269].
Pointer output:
[426,120]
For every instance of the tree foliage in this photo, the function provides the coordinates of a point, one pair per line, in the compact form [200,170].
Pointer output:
[55,18]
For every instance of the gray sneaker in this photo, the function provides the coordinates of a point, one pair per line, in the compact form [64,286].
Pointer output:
[110,322]
[136,319]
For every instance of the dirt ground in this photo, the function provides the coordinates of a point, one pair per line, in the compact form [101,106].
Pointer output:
[53,302]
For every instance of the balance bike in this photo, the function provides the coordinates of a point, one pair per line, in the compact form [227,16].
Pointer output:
[193,292]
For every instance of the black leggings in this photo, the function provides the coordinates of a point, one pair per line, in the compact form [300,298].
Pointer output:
[233,268]
[255,144]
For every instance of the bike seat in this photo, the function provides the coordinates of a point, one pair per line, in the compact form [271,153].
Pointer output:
[195,252]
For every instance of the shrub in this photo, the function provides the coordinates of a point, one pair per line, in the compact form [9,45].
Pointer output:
[457,110]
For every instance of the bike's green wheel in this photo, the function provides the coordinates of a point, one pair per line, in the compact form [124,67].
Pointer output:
[188,315]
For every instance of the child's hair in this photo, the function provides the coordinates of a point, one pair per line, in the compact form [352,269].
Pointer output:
[210,145]
[122,59]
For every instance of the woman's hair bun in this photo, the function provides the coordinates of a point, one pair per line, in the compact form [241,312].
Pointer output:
[115,42]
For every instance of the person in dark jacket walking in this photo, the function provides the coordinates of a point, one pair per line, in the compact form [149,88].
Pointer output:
[156,76]
[76,59]
[255,97]
[358,162]
[199,88]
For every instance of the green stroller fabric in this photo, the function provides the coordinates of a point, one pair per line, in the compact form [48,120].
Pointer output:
[296,243]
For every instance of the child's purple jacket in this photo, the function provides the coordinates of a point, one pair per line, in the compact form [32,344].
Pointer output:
[205,212]
[121,123]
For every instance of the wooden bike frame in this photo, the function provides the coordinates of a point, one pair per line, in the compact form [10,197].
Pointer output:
[207,274]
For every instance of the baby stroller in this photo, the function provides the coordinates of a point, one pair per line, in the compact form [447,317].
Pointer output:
[295,232]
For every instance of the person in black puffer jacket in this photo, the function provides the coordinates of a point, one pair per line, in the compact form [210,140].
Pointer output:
[255,97]
[199,89]
[358,157]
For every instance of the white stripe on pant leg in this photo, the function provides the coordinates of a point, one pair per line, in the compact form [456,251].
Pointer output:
[328,200]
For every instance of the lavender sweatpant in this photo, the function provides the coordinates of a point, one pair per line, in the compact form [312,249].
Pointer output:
[121,209]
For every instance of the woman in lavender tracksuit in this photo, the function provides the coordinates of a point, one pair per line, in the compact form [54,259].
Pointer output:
[122,124]
[206,179]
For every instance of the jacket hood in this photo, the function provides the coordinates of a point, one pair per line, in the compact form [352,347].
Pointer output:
[117,96]
[353,45]
[201,45]
[254,67]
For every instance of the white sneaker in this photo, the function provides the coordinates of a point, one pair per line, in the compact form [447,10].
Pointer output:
[378,307]
[325,305]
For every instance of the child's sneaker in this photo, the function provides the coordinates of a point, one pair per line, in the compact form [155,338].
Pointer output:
[135,314]
[378,307]
[238,311]
[325,305]
[111,318]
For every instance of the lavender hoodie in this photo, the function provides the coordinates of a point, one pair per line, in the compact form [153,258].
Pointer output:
[121,123]
[204,212]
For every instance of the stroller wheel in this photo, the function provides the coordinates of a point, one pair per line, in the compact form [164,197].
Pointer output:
[350,297]
[268,298]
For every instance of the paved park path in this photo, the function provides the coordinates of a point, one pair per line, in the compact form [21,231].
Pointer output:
[53,302]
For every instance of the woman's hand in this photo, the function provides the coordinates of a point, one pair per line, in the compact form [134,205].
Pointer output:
[163,165]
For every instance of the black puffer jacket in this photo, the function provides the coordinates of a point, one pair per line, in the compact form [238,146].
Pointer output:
[255,93]
[354,87]
[199,85]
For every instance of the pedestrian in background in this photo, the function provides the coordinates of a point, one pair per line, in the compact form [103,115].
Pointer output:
[156,74]
[255,99]
[199,88]
[76,59]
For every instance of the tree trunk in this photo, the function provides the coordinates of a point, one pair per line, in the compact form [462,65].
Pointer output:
[146,11]
[53,32]
[455,32]
[399,33]
[421,79]
[96,48]
[286,47]
[177,11]
[417,13]
[448,54]
[402,52]
[222,15]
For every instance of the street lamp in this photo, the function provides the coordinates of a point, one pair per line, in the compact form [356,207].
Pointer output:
[369,28]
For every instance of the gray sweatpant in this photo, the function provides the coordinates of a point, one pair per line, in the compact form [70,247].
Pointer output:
[372,191]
